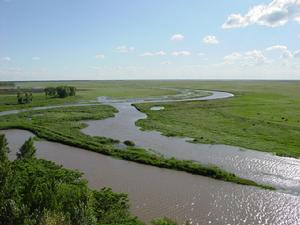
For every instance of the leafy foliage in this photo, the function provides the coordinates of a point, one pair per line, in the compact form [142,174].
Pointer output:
[60,91]
[40,192]
[163,221]
[24,97]
[27,150]
[3,148]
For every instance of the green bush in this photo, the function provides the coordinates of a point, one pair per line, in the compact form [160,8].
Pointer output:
[129,143]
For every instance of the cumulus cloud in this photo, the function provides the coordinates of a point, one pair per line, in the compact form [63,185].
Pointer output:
[285,52]
[181,53]
[274,14]
[159,53]
[266,56]
[177,37]
[124,49]
[100,56]
[249,58]
[296,54]
[210,39]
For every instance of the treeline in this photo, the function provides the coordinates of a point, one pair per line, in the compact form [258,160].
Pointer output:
[7,84]
[60,91]
[38,192]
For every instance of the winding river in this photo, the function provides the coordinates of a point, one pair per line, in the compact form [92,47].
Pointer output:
[155,192]
[280,172]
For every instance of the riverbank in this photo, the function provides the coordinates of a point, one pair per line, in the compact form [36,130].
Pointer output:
[263,116]
[66,130]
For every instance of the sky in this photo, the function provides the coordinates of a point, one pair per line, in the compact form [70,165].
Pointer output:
[149,39]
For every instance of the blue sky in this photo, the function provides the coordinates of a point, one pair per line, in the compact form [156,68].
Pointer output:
[149,39]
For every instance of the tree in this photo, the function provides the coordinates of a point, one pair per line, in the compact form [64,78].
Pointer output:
[50,91]
[20,97]
[27,151]
[3,148]
[5,180]
[72,91]
[63,91]
[24,98]
[60,91]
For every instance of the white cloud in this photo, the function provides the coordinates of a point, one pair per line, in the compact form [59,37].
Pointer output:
[267,56]
[181,53]
[177,37]
[285,52]
[276,13]
[210,39]
[100,56]
[124,49]
[249,58]
[159,53]
[296,54]
[35,58]
[6,58]
[277,47]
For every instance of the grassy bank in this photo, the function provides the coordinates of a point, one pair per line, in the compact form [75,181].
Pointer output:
[62,125]
[264,116]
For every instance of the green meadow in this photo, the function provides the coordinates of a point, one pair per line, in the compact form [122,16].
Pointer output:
[263,115]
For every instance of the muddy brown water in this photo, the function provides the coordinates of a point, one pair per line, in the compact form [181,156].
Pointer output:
[280,172]
[155,192]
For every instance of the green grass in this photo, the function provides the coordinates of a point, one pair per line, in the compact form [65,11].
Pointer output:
[264,116]
[63,125]
[87,91]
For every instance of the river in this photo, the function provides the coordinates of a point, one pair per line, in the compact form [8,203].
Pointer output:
[155,192]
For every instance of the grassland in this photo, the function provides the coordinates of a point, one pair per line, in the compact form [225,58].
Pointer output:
[63,125]
[86,91]
[263,115]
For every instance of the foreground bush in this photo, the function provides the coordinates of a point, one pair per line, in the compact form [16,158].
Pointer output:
[39,192]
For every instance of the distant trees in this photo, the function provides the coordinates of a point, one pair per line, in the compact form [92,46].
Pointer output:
[60,91]
[7,84]
[24,97]
[50,91]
